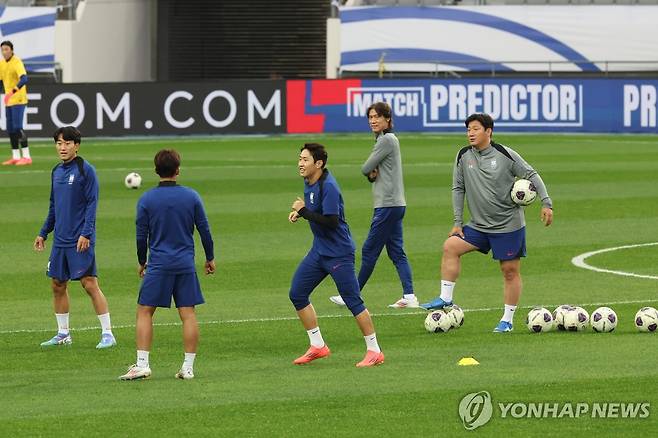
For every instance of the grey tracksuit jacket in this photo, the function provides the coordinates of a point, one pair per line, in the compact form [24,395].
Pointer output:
[485,178]
[388,188]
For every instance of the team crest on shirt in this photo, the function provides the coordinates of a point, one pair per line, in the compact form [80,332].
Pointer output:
[493,164]
[71,179]
[312,198]
[471,163]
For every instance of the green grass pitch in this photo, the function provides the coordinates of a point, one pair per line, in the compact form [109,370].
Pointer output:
[605,192]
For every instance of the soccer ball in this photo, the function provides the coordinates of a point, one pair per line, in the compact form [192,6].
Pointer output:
[646,319]
[603,320]
[558,316]
[523,192]
[576,319]
[438,322]
[133,180]
[456,316]
[539,320]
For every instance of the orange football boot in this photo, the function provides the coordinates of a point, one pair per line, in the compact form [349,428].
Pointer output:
[372,358]
[312,354]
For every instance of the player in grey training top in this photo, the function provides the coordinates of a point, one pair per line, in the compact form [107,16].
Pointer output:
[485,172]
[383,168]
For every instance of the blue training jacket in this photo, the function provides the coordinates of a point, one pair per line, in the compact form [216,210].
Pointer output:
[166,217]
[73,203]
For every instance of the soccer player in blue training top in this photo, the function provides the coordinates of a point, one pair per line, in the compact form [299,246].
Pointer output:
[14,78]
[485,172]
[72,214]
[332,254]
[384,170]
[166,217]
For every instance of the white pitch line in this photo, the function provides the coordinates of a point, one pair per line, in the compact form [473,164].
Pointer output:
[579,261]
[294,318]
[219,167]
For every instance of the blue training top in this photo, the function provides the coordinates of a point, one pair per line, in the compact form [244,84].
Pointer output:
[327,241]
[166,217]
[73,203]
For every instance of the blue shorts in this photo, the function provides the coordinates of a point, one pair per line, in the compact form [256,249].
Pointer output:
[69,264]
[14,116]
[504,246]
[158,288]
[315,268]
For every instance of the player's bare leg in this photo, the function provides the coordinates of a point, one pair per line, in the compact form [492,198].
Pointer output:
[511,270]
[513,284]
[60,296]
[318,348]
[61,306]
[144,327]
[190,341]
[190,328]
[374,355]
[364,322]
[453,248]
[308,317]
[90,285]
[144,338]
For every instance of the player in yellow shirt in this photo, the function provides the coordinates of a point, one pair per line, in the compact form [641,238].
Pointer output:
[14,78]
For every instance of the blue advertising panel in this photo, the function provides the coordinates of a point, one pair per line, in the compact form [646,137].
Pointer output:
[517,105]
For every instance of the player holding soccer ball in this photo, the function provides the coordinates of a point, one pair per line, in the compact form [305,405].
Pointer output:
[166,217]
[72,215]
[484,173]
[332,254]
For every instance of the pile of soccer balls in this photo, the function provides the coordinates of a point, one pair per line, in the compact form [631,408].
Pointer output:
[440,321]
[563,318]
[576,319]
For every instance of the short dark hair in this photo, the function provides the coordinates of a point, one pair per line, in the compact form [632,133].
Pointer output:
[167,162]
[68,133]
[8,44]
[485,119]
[382,109]
[317,151]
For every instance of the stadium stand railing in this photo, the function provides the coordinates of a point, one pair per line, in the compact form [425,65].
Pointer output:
[484,68]
[44,76]
[66,8]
